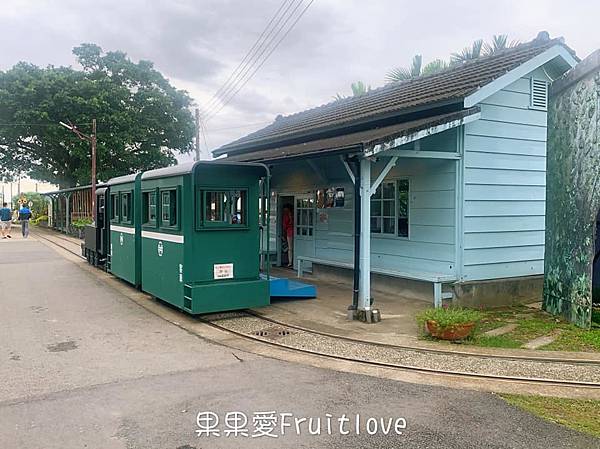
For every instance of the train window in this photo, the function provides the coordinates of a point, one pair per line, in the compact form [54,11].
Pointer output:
[149,208]
[126,212]
[168,207]
[114,207]
[225,207]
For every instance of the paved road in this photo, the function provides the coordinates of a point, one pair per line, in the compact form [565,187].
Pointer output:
[81,366]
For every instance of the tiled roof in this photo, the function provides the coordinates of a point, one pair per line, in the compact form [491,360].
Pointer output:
[353,142]
[450,85]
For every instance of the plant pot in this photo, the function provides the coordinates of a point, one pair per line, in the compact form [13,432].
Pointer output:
[451,333]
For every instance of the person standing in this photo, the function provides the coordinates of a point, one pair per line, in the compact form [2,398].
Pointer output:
[288,233]
[24,217]
[5,221]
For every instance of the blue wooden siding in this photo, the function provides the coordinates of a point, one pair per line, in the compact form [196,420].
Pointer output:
[505,186]
[430,247]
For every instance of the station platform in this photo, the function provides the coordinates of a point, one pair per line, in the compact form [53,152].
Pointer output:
[327,312]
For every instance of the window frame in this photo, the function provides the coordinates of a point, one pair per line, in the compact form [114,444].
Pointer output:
[115,205]
[202,224]
[159,217]
[301,229]
[129,218]
[145,206]
[393,235]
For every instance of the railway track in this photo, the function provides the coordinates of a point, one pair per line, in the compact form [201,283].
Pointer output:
[546,371]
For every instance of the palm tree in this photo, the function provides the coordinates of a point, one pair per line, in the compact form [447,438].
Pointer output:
[416,69]
[435,66]
[403,73]
[358,88]
[467,53]
[499,42]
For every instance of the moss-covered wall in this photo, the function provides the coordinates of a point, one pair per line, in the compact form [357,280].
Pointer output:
[573,191]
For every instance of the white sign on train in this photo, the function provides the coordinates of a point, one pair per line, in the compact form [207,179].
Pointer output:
[223,271]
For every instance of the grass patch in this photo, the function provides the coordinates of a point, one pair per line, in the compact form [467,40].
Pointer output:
[578,414]
[495,341]
[531,324]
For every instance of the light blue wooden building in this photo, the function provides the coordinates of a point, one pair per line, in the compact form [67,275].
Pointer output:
[445,174]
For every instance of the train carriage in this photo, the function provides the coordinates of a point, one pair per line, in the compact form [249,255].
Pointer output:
[124,212]
[200,235]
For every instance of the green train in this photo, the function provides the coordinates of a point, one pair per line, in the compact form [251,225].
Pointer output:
[189,235]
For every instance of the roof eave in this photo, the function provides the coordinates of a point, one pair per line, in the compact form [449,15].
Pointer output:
[513,75]
[230,150]
[380,147]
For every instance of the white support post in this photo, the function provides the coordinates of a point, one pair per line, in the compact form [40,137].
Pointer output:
[364,291]
[437,295]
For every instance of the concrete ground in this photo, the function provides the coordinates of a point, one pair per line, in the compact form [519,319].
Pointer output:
[82,366]
[327,312]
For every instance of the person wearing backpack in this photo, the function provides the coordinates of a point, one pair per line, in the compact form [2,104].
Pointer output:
[24,217]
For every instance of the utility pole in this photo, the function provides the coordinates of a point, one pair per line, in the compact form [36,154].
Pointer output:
[197,134]
[92,140]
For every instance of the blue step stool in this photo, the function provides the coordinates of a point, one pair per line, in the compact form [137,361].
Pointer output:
[287,288]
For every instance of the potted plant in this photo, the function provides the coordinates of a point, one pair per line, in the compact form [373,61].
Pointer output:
[449,323]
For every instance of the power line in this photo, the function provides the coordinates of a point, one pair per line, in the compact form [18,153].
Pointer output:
[249,55]
[226,102]
[242,80]
[249,125]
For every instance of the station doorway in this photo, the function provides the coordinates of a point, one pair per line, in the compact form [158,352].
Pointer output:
[285,241]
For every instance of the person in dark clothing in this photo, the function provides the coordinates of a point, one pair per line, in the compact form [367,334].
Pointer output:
[24,217]
[5,221]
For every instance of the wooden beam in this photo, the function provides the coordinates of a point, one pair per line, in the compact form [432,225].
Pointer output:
[423,154]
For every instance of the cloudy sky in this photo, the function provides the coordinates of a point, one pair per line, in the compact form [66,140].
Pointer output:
[197,43]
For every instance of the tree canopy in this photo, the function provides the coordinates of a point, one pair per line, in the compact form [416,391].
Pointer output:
[142,120]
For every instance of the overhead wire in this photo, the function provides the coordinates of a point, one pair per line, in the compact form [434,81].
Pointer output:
[232,91]
[232,79]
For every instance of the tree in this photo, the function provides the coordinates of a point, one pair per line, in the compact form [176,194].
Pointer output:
[142,120]
[358,88]
[499,42]
[467,53]
[39,204]
[416,69]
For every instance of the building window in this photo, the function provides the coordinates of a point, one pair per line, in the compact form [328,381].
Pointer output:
[389,208]
[225,207]
[168,208]
[114,207]
[149,208]
[126,208]
[305,208]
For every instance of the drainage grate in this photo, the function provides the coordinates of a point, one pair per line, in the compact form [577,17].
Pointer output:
[273,332]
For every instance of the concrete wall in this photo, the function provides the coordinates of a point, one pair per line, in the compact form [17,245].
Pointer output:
[504,186]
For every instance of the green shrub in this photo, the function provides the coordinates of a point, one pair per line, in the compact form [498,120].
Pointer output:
[81,223]
[450,316]
[39,219]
